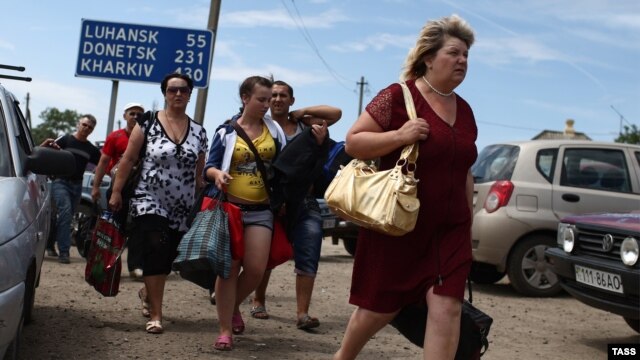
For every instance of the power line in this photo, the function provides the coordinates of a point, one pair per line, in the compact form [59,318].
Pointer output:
[307,36]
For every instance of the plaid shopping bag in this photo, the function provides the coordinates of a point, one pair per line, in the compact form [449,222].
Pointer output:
[205,249]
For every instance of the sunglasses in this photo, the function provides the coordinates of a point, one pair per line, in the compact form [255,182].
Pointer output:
[134,113]
[87,125]
[181,89]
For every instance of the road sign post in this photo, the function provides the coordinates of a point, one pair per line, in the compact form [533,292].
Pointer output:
[134,52]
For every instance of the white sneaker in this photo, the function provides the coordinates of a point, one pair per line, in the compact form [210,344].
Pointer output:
[136,274]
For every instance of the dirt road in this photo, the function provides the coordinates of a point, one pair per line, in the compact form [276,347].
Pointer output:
[73,321]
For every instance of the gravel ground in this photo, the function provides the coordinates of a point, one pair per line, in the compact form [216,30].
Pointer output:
[73,321]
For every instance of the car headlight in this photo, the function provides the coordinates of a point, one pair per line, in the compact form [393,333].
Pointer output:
[629,251]
[566,236]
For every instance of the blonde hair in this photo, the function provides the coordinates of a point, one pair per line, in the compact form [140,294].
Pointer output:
[431,39]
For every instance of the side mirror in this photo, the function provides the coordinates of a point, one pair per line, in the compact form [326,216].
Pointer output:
[52,162]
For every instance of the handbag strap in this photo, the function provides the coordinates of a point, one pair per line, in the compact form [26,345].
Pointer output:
[147,127]
[410,152]
[259,162]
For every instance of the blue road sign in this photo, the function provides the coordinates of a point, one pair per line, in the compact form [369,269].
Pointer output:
[134,52]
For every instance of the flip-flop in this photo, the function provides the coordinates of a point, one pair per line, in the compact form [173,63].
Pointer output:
[237,324]
[307,322]
[145,304]
[259,312]
[224,343]
[154,327]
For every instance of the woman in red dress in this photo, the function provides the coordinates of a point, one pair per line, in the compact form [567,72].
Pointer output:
[432,262]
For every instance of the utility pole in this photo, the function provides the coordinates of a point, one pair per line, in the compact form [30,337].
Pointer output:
[621,118]
[201,99]
[362,83]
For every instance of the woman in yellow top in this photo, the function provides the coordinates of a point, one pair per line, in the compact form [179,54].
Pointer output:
[232,167]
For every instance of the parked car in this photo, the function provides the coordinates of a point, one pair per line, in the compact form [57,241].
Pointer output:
[337,228]
[596,261]
[25,211]
[523,189]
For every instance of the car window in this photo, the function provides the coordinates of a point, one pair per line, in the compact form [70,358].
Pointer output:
[22,134]
[5,155]
[495,162]
[546,163]
[599,169]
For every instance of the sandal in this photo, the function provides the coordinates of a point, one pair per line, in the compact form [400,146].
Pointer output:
[307,322]
[154,327]
[145,304]
[224,343]
[237,324]
[259,312]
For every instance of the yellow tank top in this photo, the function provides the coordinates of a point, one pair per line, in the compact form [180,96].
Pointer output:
[247,182]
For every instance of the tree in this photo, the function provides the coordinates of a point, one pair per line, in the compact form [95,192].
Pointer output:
[631,135]
[54,123]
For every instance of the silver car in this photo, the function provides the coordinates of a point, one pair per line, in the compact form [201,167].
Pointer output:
[522,190]
[25,210]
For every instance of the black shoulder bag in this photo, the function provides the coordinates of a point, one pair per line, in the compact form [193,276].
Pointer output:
[134,175]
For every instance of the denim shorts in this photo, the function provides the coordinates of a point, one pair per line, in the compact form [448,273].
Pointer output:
[257,215]
[307,239]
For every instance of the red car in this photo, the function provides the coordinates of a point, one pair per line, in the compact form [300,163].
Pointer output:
[597,262]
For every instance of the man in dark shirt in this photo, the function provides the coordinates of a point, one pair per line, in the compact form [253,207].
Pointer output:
[66,191]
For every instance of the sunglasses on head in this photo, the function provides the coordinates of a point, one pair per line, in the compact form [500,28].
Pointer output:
[181,89]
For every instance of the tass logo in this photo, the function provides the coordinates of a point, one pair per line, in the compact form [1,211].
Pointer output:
[623,351]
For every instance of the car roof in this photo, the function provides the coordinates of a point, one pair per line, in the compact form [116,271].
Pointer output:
[562,142]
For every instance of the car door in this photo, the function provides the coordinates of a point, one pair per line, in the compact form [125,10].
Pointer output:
[592,179]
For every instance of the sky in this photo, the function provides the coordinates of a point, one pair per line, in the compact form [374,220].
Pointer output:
[535,63]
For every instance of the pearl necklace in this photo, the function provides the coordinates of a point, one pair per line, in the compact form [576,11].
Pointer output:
[434,89]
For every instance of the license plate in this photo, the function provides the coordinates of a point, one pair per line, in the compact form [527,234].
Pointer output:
[328,223]
[600,279]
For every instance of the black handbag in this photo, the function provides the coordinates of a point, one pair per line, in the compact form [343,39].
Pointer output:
[474,327]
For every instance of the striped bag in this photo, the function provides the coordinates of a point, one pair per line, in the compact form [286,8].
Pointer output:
[205,250]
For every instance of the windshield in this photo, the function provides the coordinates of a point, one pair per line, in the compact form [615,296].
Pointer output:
[495,162]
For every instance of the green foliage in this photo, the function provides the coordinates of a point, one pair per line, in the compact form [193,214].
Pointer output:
[55,123]
[631,135]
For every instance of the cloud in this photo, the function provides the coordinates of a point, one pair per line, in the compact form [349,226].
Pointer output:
[506,50]
[62,96]
[376,42]
[237,73]
[280,18]
[6,45]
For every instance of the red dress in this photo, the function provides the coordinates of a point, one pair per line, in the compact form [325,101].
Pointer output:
[390,272]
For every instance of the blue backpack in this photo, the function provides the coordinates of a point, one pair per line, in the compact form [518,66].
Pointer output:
[336,157]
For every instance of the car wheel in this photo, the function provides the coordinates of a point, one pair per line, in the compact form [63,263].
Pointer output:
[83,211]
[633,323]
[529,269]
[350,245]
[484,274]
[86,225]
[29,295]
